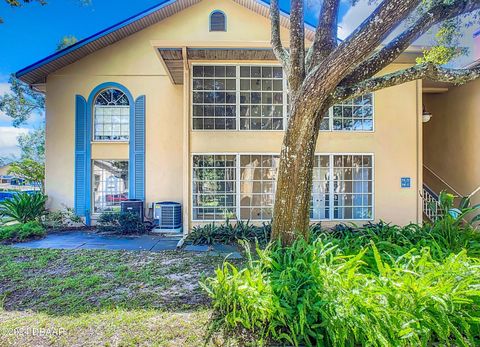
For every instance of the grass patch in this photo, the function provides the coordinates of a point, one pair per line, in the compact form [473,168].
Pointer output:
[94,297]
[21,232]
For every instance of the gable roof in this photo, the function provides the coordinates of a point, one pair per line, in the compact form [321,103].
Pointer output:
[37,73]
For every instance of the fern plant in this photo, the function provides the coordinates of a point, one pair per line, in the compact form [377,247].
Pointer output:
[313,294]
[24,207]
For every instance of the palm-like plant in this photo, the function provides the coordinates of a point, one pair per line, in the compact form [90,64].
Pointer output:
[24,207]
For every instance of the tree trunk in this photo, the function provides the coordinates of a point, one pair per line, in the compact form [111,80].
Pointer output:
[291,215]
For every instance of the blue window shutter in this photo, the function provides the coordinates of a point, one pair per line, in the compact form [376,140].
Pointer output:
[137,159]
[81,177]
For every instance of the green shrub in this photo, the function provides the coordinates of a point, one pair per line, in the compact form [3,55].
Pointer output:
[121,222]
[22,232]
[24,207]
[59,219]
[313,294]
[229,233]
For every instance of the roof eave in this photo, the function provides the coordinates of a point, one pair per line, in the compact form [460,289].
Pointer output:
[40,76]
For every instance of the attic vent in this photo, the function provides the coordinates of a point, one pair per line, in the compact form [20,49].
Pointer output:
[218,21]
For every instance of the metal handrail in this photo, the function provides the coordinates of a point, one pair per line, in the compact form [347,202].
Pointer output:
[444,182]
[474,192]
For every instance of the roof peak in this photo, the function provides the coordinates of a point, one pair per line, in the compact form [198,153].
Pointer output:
[37,72]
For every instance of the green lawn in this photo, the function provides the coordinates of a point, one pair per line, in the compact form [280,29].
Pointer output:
[103,298]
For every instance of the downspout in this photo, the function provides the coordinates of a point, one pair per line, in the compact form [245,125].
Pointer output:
[186,143]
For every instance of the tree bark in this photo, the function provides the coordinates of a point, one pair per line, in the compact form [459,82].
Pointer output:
[291,215]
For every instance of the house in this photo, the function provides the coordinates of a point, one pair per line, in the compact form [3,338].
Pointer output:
[186,102]
[451,137]
[5,177]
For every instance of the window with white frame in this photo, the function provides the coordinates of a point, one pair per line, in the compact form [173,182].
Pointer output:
[258,175]
[352,180]
[214,187]
[214,97]
[110,185]
[238,97]
[342,186]
[261,98]
[351,115]
[111,116]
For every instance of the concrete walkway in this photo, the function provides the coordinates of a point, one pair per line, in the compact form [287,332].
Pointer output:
[91,240]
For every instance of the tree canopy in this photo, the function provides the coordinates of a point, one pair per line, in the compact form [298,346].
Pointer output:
[19,3]
[66,41]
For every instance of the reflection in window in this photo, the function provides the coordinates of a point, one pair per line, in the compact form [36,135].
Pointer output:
[111,116]
[351,115]
[255,96]
[214,97]
[261,98]
[214,187]
[320,205]
[258,174]
[353,186]
[110,185]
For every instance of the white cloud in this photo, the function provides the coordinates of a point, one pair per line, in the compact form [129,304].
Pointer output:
[354,17]
[8,141]
[4,88]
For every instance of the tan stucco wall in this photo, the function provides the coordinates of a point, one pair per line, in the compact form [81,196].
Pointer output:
[451,137]
[134,63]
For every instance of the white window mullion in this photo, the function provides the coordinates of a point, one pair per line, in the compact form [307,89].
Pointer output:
[237,98]
[330,119]
[237,182]
[331,186]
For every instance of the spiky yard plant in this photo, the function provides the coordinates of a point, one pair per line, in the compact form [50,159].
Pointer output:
[24,207]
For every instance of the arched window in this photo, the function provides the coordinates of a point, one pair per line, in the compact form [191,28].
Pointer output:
[218,21]
[111,116]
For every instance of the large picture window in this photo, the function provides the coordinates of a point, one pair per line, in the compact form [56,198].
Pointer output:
[111,116]
[238,97]
[214,187]
[255,97]
[110,185]
[342,187]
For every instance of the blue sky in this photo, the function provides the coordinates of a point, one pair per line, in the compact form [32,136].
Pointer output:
[32,32]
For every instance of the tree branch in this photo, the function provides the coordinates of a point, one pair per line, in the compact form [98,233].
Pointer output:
[297,45]
[278,49]
[370,34]
[427,70]
[326,35]
[439,13]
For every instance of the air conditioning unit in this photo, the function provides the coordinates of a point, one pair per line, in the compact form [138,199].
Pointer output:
[133,206]
[168,215]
